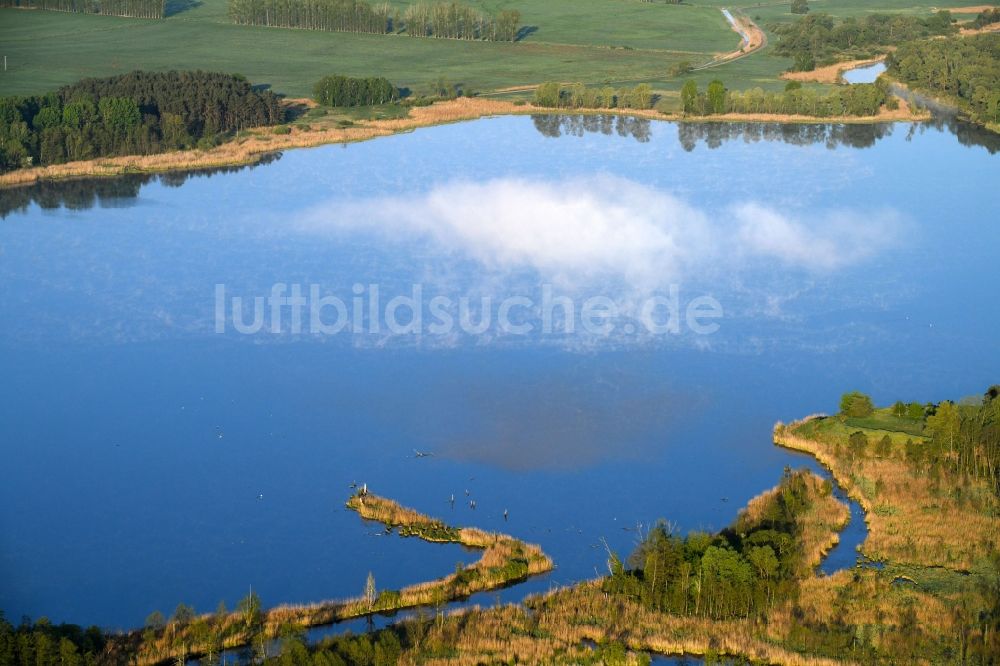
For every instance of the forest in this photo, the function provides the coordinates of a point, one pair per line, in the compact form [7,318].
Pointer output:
[579,96]
[124,8]
[740,572]
[42,643]
[860,99]
[821,39]
[986,17]
[964,69]
[338,90]
[135,113]
[446,20]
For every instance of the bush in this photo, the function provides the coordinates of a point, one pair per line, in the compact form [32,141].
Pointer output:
[856,404]
[336,90]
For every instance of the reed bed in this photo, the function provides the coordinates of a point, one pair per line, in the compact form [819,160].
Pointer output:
[556,626]
[911,518]
[505,560]
[820,522]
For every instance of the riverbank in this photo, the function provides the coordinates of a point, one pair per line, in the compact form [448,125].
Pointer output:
[915,516]
[556,627]
[252,146]
[505,560]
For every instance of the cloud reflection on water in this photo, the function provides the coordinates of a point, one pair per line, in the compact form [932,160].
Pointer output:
[583,231]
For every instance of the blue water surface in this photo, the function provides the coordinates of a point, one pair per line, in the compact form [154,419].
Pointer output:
[151,460]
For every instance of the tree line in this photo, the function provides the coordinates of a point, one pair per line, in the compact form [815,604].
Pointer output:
[860,99]
[447,20]
[819,38]
[579,96]
[965,69]
[714,135]
[135,113]
[961,438]
[740,572]
[554,125]
[452,20]
[339,90]
[42,643]
[986,17]
[125,8]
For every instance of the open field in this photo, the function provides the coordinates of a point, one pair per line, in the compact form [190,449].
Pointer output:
[595,41]
[574,41]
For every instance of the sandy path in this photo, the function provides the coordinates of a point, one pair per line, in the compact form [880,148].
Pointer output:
[753,39]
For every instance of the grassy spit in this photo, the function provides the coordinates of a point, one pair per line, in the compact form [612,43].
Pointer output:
[552,628]
[505,560]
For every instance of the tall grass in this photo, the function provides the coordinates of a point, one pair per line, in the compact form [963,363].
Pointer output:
[505,560]
[912,516]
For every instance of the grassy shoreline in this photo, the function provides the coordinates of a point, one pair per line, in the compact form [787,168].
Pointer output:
[910,519]
[251,148]
[553,627]
[505,560]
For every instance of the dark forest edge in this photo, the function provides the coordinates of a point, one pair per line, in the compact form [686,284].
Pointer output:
[139,113]
[147,9]
[445,20]
[965,71]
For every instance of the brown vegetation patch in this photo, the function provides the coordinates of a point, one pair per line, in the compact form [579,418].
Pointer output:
[912,518]
[830,73]
[504,560]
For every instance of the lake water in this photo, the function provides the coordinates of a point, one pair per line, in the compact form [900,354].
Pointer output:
[151,460]
[866,74]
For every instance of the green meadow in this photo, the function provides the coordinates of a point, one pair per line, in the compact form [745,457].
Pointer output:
[616,42]
[586,40]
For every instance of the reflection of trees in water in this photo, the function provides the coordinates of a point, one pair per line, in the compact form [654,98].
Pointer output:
[945,118]
[967,134]
[83,193]
[715,134]
[555,125]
